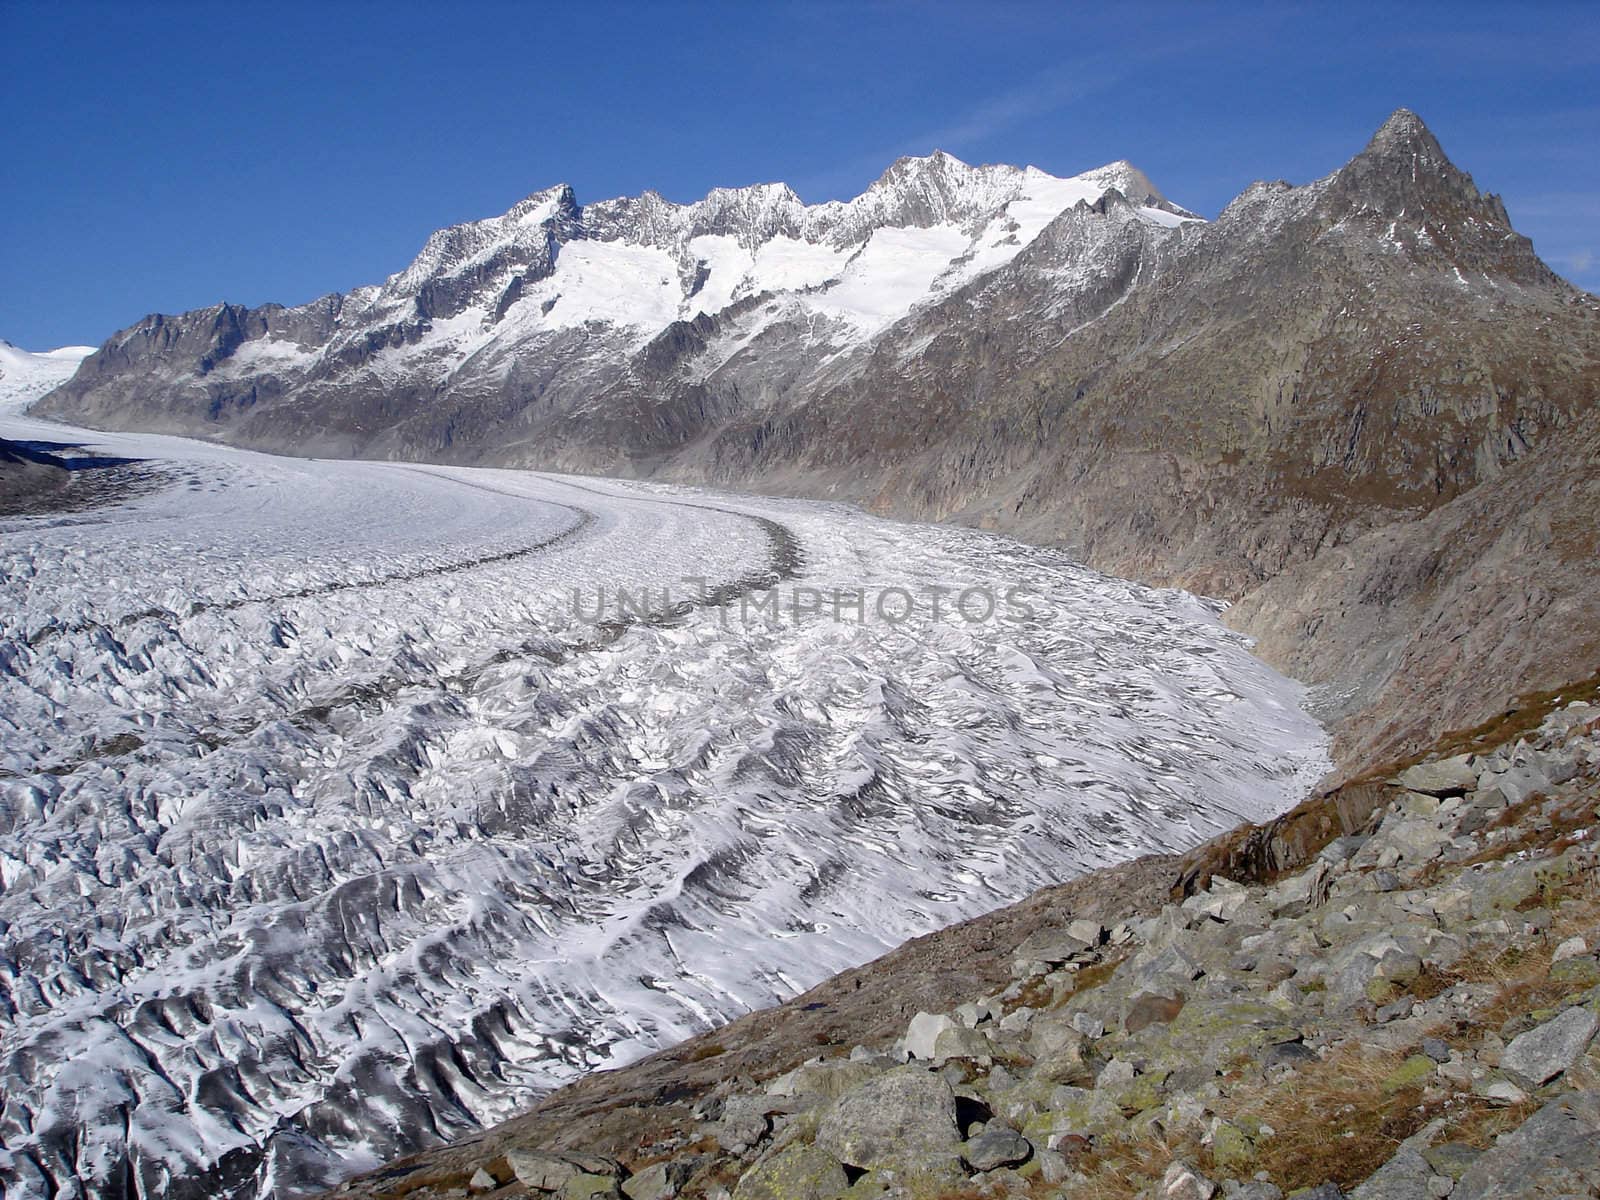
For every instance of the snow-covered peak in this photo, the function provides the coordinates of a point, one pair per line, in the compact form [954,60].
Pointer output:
[25,376]
[849,269]
[528,228]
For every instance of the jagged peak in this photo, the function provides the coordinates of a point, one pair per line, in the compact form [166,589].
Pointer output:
[940,161]
[541,204]
[1404,170]
[1128,179]
[1404,137]
[1403,127]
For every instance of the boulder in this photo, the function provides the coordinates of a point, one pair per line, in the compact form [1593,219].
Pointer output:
[1091,933]
[1403,1177]
[1054,947]
[1547,1050]
[905,1115]
[1517,784]
[587,1186]
[662,1181]
[1417,839]
[1451,1159]
[544,1172]
[797,1172]
[1555,1152]
[924,1031]
[1571,948]
[1445,777]
[997,1146]
[962,1043]
[743,1123]
[1183,1182]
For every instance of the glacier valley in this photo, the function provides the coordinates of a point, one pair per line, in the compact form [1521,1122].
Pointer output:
[329,829]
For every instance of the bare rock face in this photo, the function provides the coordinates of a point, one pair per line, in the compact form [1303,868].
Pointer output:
[1361,407]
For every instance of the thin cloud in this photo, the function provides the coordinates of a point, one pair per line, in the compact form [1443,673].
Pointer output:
[1046,93]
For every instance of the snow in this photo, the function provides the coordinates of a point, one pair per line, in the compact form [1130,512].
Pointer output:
[309,776]
[267,354]
[728,265]
[889,275]
[627,285]
[26,376]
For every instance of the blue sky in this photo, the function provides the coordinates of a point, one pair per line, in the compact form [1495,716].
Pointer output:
[160,157]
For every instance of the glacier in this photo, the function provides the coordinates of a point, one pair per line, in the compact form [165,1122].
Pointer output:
[330,826]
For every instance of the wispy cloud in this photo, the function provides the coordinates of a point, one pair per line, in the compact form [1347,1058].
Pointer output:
[1040,97]
[1047,92]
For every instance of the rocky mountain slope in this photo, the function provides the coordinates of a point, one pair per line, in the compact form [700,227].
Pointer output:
[1396,995]
[1361,406]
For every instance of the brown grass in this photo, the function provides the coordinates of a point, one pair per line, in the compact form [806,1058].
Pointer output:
[1526,714]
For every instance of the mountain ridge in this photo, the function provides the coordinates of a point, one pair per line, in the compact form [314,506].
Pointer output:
[1206,404]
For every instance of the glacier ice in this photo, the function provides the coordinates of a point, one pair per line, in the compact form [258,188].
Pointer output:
[328,831]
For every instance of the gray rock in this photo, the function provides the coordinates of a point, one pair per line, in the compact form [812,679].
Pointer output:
[659,1182]
[1417,839]
[1342,849]
[1089,1027]
[1547,1050]
[960,1042]
[974,1014]
[1168,965]
[743,1122]
[1558,766]
[1016,1021]
[552,1172]
[1555,1152]
[924,1031]
[1053,1166]
[1055,946]
[797,1172]
[1446,777]
[1183,1182]
[1573,947]
[482,1181]
[1396,1011]
[1517,784]
[1451,1158]
[1254,1190]
[588,1186]
[1403,1177]
[1091,933]
[997,1146]
[905,1114]
[1500,1090]
[1436,1049]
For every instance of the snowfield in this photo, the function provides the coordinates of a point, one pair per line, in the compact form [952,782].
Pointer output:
[328,829]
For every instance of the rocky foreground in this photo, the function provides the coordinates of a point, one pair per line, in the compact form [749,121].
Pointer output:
[1397,996]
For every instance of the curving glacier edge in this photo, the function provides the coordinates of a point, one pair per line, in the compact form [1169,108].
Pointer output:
[345,807]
